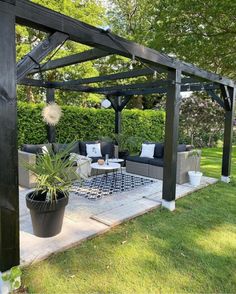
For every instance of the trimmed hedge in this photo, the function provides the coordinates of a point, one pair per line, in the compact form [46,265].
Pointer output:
[89,124]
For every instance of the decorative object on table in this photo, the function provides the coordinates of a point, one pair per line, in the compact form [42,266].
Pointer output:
[101,161]
[107,159]
[195,175]
[53,182]
[52,113]
[105,185]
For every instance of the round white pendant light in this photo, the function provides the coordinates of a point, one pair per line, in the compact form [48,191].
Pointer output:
[105,103]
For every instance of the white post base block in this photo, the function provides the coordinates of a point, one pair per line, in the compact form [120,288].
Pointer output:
[225,179]
[170,205]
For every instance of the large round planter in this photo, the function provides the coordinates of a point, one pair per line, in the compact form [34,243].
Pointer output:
[47,217]
[195,178]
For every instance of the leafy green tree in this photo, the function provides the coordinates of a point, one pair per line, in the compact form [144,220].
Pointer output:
[201,32]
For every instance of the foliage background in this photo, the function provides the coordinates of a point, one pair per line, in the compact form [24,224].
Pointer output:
[89,124]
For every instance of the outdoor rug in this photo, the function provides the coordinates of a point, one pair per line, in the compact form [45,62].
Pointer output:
[101,186]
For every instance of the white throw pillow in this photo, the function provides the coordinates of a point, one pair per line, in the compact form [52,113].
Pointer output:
[93,150]
[147,150]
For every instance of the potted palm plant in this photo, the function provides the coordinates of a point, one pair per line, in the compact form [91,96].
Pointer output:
[195,175]
[48,201]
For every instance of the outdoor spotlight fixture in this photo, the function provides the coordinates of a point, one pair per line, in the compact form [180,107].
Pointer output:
[105,103]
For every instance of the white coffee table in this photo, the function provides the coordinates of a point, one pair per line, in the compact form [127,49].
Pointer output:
[116,160]
[112,166]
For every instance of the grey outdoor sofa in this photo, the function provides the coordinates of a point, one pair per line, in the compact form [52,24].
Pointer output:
[29,153]
[153,167]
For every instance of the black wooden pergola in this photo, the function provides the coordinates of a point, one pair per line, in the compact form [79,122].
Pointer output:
[181,76]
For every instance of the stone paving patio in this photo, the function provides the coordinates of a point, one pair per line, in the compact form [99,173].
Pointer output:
[85,219]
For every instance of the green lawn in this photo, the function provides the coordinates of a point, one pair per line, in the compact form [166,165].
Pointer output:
[190,250]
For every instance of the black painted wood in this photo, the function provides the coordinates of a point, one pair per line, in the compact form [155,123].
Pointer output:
[28,62]
[228,134]
[51,130]
[9,193]
[72,59]
[36,16]
[216,98]
[226,97]
[111,77]
[118,116]
[171,136]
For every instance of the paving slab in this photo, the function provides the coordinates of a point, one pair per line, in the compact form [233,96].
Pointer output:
[123,213]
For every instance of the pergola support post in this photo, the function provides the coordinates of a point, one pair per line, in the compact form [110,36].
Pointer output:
[118,117]
[9,192]
[171,140]
[228,136]
[51,130]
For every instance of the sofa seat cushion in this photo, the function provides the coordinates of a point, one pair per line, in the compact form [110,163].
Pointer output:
[156,162]
[57,147]
[138,159]
[35,148]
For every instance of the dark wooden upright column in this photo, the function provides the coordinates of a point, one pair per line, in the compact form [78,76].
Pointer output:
[9,193]
[228,136]
[118,116]
[171,139]
[51,130]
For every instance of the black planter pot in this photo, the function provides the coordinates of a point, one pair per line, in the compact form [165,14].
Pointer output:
[123,155]
[47,217]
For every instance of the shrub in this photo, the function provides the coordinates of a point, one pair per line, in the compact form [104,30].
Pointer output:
[89,124]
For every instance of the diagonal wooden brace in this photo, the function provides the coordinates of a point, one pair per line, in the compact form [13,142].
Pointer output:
[28,62]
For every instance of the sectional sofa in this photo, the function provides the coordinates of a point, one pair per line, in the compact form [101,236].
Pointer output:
[29,153]
[153,167]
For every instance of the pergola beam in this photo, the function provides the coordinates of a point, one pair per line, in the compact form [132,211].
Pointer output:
[39,17]
[113,77]
[123,90]
[72,59]
[30,60]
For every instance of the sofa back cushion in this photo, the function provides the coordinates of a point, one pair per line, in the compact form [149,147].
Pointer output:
[35,148]
[57,147]
[158,150]
[82,147]
[108,148]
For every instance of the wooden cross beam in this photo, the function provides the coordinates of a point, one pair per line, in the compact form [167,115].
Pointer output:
[29,61]
[215,97]
[72,59]
[112,77]
[36,16]
[227,98]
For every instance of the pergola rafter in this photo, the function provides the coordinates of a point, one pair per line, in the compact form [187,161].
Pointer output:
[60,29]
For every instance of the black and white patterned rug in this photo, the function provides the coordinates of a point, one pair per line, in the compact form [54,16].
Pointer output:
[102,186]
